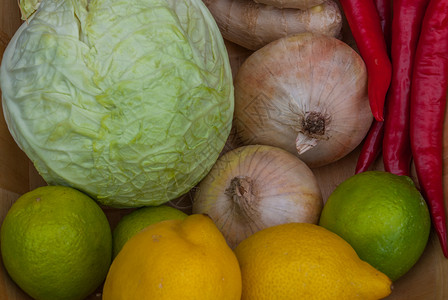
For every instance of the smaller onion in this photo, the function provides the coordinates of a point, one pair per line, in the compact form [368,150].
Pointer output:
[257,186]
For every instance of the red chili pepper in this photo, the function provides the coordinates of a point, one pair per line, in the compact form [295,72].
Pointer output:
[373,142]
[428,101]
[371,148]
[406,24]
[364,22]
[384,8]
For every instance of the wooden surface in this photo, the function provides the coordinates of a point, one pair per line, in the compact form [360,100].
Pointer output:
[427,280]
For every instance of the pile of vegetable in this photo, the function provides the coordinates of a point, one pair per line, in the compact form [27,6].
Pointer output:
[301,102]
[137,104]
[403,45]
[409,126]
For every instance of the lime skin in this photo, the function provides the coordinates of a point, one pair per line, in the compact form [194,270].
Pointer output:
[383,217]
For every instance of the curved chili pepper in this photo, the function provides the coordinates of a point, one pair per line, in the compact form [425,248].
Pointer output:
[408,17]
[428,102]
[364,22]
[371,148]
[373,143]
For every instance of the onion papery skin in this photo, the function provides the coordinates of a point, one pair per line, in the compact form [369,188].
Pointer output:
[305,93]
[257,186]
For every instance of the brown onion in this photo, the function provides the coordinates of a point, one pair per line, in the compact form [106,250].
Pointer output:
[305,93]
[254,187]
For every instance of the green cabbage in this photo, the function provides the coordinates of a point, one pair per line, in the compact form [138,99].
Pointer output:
[129,101]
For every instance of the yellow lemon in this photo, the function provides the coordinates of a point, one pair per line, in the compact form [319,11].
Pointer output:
[305,261]
[175,259]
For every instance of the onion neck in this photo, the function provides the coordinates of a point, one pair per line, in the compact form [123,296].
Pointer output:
[241,192]
[313,129]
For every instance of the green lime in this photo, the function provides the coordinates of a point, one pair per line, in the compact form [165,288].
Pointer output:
[139,219]
[383,217]
[56,243]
